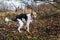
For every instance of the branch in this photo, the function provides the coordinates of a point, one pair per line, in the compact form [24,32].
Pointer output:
[54,5]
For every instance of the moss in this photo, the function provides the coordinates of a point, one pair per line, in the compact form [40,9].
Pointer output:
[34,37]
[57,10]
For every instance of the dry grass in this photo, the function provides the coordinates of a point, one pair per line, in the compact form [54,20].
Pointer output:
[43,28]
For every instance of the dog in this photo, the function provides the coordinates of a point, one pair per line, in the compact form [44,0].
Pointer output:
[23,18]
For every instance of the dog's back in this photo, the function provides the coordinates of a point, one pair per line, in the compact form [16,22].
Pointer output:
[20,16]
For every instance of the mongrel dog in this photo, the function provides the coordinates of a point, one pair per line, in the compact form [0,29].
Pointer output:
[21,18]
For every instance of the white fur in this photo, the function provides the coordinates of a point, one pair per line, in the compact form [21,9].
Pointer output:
[7,19]
[28,21]
[20,24]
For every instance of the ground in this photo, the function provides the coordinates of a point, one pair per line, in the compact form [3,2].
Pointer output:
[45,27]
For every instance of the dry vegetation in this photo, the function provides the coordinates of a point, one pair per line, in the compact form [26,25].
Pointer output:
[45,27]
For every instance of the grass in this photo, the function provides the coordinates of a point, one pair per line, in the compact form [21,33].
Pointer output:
[43,28]
[38,30]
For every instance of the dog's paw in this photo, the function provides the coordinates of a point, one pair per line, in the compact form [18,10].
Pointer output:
[19,31]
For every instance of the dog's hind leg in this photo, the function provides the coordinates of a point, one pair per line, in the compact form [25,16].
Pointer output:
[20,25]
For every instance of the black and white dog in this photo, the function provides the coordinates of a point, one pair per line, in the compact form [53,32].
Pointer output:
[21,18]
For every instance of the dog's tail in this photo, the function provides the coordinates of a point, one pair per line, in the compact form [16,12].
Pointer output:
[7,19]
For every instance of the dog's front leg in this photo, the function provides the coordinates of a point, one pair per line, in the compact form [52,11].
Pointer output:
[27,25]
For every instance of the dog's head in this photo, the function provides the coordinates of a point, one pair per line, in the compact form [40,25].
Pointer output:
[34,14]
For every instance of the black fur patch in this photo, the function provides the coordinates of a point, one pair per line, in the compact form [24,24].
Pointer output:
[20,17]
